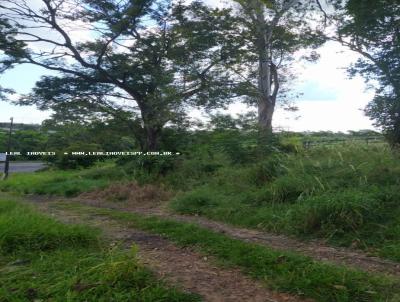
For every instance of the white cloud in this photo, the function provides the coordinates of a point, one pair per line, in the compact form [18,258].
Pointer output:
[343,112]
[339,115]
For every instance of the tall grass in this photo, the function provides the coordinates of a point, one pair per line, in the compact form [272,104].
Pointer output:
[346,194]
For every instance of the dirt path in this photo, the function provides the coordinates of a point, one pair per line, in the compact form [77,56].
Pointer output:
[183,268]
[315,249]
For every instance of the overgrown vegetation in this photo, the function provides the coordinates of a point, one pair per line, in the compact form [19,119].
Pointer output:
[345,194]
[44,260]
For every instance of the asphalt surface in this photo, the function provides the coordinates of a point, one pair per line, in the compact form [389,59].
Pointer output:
[23,167]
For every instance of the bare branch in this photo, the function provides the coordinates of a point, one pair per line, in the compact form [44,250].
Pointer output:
[322,10]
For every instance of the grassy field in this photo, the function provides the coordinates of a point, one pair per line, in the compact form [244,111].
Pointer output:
[347,195]
[44,260]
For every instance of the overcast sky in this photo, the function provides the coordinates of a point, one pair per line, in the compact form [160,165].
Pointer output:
[330,100]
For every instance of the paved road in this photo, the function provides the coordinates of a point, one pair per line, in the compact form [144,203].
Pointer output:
[23,167]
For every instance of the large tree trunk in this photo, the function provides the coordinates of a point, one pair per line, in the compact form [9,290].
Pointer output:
[266,73]
[265,113]
[151,126]
[153,134]
[265,102]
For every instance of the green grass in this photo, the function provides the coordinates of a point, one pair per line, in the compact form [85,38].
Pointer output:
[283,271]
[345,194]
[44,260]
[22,230]
[64,183]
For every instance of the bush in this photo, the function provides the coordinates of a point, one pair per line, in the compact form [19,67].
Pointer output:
[145,169]
[266,170]
[291,188]
[339,213]
[239,148]
[195,202]
[64,161]
[258,197]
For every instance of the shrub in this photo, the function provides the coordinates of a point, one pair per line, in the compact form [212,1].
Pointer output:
[290,188]
[195,202]
[68,161]
[266,170]
[236,146]
[258,197]
[338,213]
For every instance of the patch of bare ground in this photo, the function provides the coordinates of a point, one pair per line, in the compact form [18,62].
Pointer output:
[317,249]
[131,194]
[180,267]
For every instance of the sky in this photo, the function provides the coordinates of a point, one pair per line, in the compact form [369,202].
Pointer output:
[329,101]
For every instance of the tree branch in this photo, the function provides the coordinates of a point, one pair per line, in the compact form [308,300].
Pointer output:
[322,10]
[274,73]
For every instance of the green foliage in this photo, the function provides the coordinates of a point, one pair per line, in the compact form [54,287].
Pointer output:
[168,68]
[69,161]
[371,29]
[343,214]
[11,50]
[197,202]
[267,170]
[327,191]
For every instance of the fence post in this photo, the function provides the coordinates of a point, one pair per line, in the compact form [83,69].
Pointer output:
[7,163]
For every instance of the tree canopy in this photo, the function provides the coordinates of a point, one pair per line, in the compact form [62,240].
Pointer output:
[273,31]
[11,50]
[149,58]
[372,29]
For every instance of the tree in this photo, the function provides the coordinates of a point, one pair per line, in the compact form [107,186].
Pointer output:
[372,29]
[11,50]
[147,57]
[273,31]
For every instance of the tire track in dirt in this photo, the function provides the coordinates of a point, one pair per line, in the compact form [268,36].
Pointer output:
[180,267]
[315,249]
